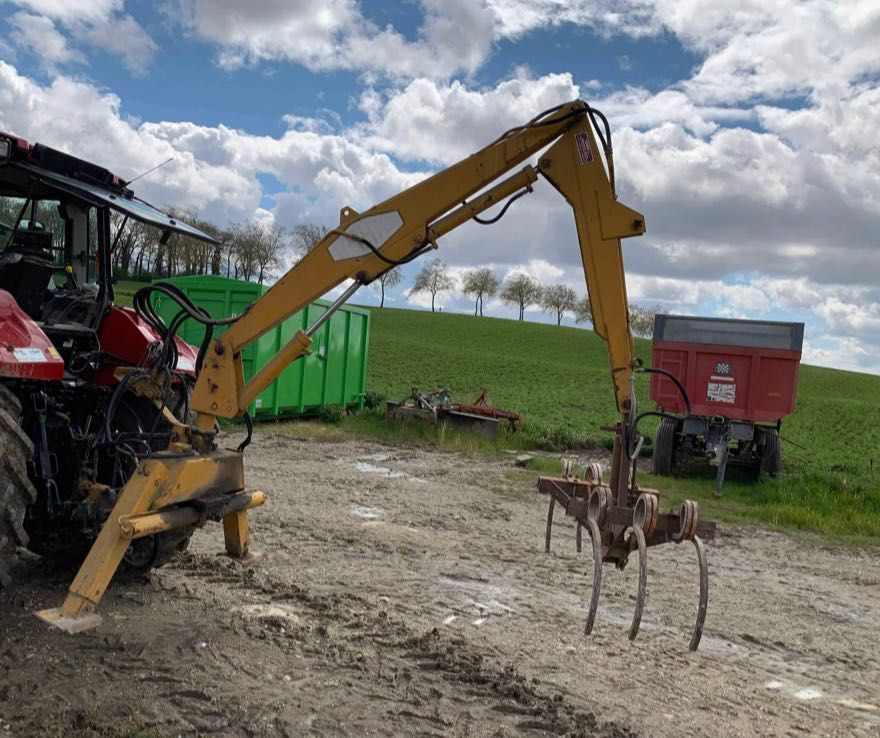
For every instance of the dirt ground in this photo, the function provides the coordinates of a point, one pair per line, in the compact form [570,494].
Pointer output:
[405,592]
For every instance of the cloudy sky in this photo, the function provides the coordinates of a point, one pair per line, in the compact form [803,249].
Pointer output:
[745,131]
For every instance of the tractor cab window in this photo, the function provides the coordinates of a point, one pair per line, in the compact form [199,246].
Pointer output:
[47,249]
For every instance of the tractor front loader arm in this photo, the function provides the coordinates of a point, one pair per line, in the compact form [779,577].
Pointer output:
[571,145]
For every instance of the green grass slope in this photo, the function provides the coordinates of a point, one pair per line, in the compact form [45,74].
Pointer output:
[558,378]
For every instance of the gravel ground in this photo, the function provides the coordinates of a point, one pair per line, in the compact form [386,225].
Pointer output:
[404,591]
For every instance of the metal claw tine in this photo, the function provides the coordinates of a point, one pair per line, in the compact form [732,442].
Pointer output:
[596,537]
[704,594]
[578,537]
[643,577]
[549,525]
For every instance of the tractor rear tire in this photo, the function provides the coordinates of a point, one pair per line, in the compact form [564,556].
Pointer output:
[16,490]
[771,453]
[664,448]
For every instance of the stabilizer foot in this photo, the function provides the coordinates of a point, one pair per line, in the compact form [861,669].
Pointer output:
[250,558]
[69,623]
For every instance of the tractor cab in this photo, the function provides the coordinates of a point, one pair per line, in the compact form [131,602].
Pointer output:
[60,216]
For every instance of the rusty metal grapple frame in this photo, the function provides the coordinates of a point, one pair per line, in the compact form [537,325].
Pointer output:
[619,525]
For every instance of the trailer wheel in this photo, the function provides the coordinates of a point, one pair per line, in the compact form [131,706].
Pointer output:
[771,453]
[16,490]
[664,447]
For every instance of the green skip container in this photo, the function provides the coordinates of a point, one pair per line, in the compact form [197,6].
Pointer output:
[334,373]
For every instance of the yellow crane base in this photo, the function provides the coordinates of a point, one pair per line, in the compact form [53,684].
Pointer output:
[168,492]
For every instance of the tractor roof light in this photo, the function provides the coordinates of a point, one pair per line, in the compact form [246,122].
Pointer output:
[5,149]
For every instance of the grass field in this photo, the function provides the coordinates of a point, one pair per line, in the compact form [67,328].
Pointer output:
[124,290]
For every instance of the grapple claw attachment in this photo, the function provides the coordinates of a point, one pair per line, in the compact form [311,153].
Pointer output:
[688,523]
[549,531]
[639,536]
[596,537]
[622,518]
[704,594]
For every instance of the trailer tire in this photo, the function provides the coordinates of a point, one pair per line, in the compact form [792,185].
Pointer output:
[16,489]
[771,453]
[664,448]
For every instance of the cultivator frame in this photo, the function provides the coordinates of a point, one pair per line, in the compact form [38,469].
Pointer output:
[437,408]
[622,518]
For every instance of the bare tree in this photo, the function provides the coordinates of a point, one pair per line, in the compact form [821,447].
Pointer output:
[305,237]
[434,277]
[559,299]
[389,279]
[521,290]
[267,249]
[479,283]
[244,244]
[583,311]
[641,319]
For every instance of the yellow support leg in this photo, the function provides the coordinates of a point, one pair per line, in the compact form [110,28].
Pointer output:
[162,483]
[78,611]
[235,533]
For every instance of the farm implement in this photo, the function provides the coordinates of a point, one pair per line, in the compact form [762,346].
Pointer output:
[437,408]
[622,518]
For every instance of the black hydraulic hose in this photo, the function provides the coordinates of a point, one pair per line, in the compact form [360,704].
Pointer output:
[144,307]
[249,424]
[490,221]
[633,426]
[675,381]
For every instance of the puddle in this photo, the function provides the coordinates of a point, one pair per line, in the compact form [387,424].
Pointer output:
[367,468]
[378,457]
[368,513]
[855,705]
[810,693]
[274,614]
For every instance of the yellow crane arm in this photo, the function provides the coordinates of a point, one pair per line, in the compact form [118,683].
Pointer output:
[365,245]
[193,481]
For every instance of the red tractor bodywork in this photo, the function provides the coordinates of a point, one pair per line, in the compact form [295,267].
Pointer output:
[125,339]
[25,351]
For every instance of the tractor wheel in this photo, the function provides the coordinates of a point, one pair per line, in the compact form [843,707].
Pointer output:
[771,453]
[135,414]
[16,490]
[664,447]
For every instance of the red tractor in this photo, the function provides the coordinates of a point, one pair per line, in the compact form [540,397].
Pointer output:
[75,413]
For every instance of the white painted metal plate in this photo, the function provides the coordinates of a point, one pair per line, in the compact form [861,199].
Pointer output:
[376,229]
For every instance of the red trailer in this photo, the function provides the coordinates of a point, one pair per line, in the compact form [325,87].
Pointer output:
[740,380]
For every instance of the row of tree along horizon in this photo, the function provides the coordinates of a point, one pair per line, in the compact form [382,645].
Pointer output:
[518,290]
[253,251]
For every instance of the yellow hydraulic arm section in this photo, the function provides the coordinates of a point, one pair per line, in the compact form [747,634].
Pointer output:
[366,245]
[192,481]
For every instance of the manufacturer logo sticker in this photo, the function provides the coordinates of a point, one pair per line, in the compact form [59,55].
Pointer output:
[585,153]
